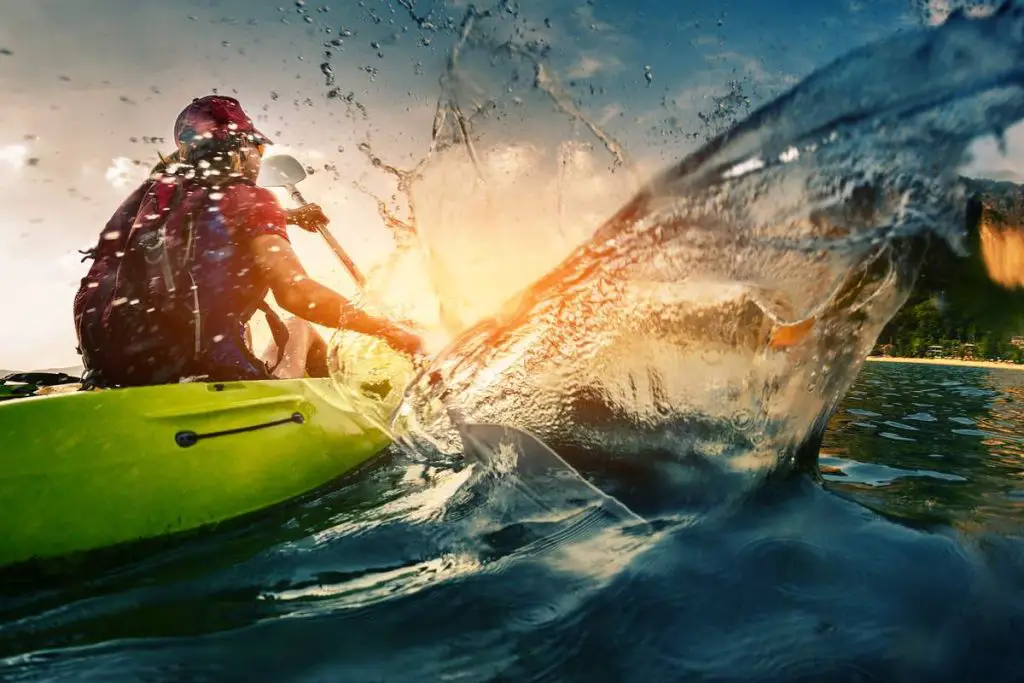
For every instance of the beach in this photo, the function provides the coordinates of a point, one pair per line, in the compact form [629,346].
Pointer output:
[948,361]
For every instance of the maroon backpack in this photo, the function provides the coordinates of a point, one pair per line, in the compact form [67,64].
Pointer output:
[136,314]
[95,289]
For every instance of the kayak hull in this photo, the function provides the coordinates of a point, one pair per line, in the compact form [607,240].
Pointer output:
[90,470]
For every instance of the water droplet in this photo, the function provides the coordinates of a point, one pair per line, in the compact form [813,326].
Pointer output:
[328,72]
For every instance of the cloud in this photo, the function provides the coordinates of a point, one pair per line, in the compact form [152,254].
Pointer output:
[294,151]
[706,39]
[987,159]
[123,172]
[589,66]
[937,11]
[589,21]
[14,156]
[754,69]
[609,113]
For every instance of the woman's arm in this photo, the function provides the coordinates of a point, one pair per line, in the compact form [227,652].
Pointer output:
[300,295]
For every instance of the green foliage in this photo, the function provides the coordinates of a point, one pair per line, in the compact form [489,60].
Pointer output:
[954,302]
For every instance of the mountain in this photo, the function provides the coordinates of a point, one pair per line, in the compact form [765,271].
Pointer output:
[73,370]
[1003,175]
[955,301]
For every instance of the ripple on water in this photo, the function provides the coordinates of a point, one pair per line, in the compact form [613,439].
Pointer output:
[970,432]
[872,474]
[900,425]
[862,413]
[894,437]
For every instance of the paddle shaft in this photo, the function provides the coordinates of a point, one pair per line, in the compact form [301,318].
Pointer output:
[349,264]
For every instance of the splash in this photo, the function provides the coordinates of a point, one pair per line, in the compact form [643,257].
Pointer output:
[718,317]
[515,176]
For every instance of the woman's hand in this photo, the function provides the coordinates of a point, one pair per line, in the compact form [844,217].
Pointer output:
[309,217]
[404,341]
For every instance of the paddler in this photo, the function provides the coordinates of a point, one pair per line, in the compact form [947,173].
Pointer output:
[188,258]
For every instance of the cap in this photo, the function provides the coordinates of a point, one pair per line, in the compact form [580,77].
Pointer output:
[215,117]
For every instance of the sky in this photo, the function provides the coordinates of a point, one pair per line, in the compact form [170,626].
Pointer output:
[92,87]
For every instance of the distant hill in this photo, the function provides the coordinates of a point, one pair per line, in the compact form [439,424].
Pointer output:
[954,301]
[73,370]
[1004,176]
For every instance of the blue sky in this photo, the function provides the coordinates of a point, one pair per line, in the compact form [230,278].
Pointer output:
[89,84]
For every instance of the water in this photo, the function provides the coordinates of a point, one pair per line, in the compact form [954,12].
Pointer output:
[709,327]
[905,568]
[945,445]
[684,359]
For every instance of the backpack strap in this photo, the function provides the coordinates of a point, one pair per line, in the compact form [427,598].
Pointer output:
[278,330]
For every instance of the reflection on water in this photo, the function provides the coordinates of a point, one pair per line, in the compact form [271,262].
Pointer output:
[951,440]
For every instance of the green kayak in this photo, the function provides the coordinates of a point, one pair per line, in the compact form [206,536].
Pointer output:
[89,470]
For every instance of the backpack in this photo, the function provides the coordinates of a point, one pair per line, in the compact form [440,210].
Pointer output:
[146,301]
[152,317]
[95,289]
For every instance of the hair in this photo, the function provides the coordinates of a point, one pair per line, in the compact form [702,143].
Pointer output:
[213,161]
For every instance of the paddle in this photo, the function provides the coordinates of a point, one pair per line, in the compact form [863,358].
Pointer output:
[285,171]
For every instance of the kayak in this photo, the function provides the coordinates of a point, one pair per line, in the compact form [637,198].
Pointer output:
[85,470]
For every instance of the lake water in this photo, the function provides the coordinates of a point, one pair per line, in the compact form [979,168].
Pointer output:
[933,444]
[904,566]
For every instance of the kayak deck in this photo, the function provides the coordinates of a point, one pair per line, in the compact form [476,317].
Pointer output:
[89,470]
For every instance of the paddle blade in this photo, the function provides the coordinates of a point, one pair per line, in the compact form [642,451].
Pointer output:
[280,170]
[540,469]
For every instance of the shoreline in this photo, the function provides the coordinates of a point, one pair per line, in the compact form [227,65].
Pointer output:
[953,362]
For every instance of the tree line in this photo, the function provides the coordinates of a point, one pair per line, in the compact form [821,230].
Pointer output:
[955,310]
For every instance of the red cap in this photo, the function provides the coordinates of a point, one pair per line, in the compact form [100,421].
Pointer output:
[217,117]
